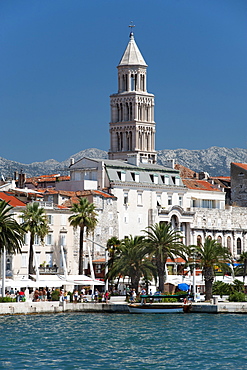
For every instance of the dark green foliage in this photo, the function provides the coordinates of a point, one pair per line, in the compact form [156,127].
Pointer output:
[7,299]
[131,259]
[237,286]
[234,290]
[163,242]
[55,295]
[209,255]
[34,221]
[237,297]
[11,233]
[84,217]
[220,288]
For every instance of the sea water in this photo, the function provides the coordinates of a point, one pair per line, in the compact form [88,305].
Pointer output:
[123,341]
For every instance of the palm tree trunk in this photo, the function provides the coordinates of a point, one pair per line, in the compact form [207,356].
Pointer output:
[209,278]
[161,274]
[81,252]
[245,269]
[135,283]
[31,270]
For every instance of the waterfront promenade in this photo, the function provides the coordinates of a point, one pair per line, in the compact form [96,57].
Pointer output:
[25,308]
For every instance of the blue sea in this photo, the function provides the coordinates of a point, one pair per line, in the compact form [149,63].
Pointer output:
[123,341]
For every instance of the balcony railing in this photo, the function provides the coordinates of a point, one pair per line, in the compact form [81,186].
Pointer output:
[48,270]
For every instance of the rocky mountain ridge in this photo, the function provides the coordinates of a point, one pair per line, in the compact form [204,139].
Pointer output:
[215,160]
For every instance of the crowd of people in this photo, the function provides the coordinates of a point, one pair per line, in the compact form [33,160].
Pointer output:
[83,295]
[48,294]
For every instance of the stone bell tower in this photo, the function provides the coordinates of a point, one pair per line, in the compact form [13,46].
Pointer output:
[132,126]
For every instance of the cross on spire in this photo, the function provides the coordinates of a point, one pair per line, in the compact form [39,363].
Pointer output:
[131,26]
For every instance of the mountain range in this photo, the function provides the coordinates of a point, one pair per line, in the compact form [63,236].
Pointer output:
[215,160]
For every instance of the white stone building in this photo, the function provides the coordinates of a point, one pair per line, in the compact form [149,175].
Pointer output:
[146,192]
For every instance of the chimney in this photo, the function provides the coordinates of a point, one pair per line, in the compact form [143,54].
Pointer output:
[203,176]
[72,161]
[170,163]
[133,159]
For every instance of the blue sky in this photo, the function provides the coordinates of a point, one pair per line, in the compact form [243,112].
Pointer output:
[58,68]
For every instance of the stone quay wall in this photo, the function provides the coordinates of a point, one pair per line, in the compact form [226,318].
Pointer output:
[25,308]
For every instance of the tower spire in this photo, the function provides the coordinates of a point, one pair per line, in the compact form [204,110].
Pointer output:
[132,126]
[131,26]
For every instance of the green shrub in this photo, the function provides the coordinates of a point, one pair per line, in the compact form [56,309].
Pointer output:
[7,299]
[221,288]
[169,300]
[55,295]
[71,296]
[237,286]
[237,297]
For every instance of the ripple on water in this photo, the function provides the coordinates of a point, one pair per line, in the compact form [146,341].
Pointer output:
[115,341]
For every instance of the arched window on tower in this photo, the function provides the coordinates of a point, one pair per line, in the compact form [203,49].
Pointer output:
[140,141]
[121,141]
[130,140]
[142,79]
[118,142]
[133,81]
[127,118]
[147,137]
[130,111]
[147,109]
[123,83]
[239,246]
[121,112]
[140,112]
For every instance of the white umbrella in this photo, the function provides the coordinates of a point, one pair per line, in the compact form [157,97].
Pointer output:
[83,280]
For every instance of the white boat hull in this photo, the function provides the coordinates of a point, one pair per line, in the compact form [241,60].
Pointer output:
[157,308]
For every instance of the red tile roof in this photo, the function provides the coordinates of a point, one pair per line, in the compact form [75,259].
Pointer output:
[178,260]
[100,260]
[200,185]
[226,178]
[85,193]
[13,201]
[47,178]
[186,173]
[61,207]
[241,165]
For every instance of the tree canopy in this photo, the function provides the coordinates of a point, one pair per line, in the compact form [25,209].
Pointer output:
[132,260]
[84,217]
[163,242]
[209,255]
[34,221]
[11,232]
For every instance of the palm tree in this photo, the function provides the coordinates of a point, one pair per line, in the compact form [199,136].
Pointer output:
[112,248]
[133,261]
[163,242]
[86,218]
[11,233]
[243,259]
[210,254]
[35,221]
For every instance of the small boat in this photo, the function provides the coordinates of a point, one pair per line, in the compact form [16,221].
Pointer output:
[156,306]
